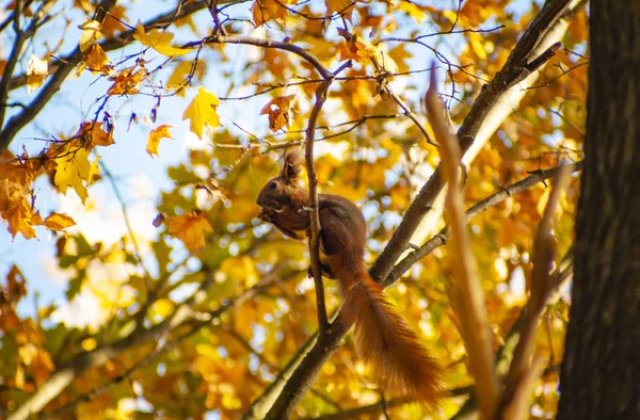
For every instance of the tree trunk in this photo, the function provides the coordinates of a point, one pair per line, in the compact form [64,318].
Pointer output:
[601,370]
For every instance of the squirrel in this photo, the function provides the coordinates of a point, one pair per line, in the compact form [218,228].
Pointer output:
[381,336]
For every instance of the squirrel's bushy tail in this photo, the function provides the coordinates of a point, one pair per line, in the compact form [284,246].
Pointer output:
[385,341]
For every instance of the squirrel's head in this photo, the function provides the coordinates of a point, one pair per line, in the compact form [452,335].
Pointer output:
[276,195]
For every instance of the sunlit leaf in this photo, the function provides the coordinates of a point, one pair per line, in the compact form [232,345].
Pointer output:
[73,170]
[159,40]
[266,10]
[58,221]
[97,61]
[278,111]
[127,81]
[342,7]
[190,229]
[202,111]
[90,34]
[160,132]
[37,72]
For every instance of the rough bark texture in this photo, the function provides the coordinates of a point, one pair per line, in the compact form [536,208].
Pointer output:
[601,371]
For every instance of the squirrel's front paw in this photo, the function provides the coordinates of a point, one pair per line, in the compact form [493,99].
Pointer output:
[266,214]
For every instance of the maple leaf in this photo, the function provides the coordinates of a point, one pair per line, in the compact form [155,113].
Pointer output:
[113,21]
[96,60]
[37,72]
[155,135]
[58,221]
[342,7]
[278,111]
[73,170]
[159,41]
[90,34]
[202,111]
[21,219]
[95,135]
[265,10]
[189,228]
[127,81]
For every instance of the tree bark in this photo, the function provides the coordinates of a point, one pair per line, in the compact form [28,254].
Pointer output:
[600,376]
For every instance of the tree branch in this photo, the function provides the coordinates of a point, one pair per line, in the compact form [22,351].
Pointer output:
[306,363]
[265,43]
[66,65]
[495,101]
[314,236]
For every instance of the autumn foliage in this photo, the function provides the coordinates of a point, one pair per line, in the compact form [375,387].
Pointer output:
[135,136]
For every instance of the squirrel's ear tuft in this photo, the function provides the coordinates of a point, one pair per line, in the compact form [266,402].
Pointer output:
[292,165]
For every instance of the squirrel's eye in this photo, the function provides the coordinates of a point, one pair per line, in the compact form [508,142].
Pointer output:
[273,185]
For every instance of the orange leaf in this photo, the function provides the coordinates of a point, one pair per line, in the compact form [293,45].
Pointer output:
[19,217]
[342,7]
[155,135]
[95,134]
[127,81]
[58,221]
[278,111]
[190,229]
[97,61]
[265,10]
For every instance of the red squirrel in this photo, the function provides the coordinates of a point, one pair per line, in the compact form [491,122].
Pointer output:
[381,336]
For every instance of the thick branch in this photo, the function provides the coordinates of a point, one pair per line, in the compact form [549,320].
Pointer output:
[306,363]
[493,104]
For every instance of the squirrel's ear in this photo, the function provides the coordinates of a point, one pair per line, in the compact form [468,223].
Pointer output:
[292,166]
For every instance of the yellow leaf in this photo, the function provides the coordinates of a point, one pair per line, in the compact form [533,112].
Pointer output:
[89,344]
[476,43]
[155,135]
[37,72]
[161,308]
[412,10]
[73,170]
[265,10]
[58,221]
[189,228]
[97,61]
[179,78]
[90,34]
[202,111]
[159,41]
